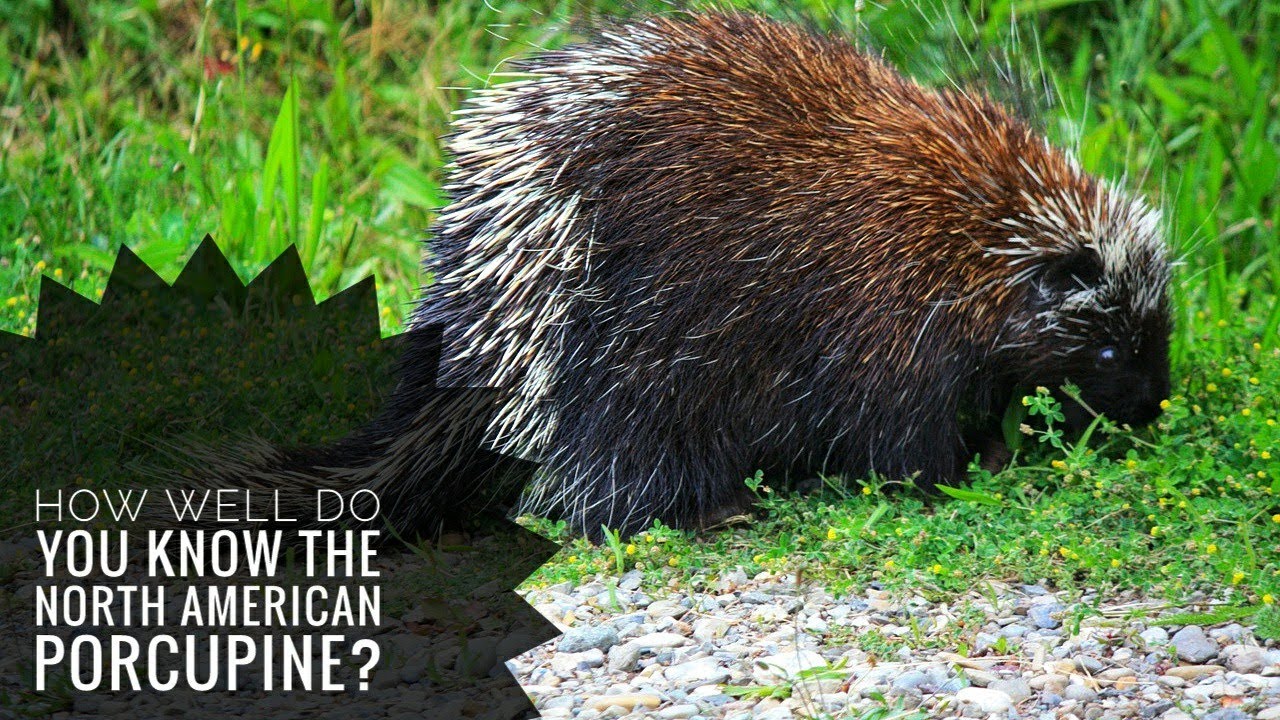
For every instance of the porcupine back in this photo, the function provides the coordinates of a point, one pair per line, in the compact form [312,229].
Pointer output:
[703,244]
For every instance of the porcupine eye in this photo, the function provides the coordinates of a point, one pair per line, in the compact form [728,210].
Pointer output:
[1108,357]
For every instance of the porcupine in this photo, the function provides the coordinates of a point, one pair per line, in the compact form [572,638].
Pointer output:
[702,244]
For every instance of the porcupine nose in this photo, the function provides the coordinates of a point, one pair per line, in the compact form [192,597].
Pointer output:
[1150,393]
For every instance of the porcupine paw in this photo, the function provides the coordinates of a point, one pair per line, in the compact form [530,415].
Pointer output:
[739,511]
[995,455]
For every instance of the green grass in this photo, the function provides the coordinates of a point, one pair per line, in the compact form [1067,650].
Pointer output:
[269,122]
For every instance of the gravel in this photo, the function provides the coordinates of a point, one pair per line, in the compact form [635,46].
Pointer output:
[1019,659]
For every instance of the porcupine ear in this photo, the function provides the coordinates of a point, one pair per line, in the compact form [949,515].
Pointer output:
[1079,270]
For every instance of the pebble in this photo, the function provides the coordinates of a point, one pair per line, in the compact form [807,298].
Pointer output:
[571,662]
[627,701]
[1051,682]
[1079,693]
[709,629]
[1193,672]
[597,637]
[660,640]
[986,700]
[697,672]
[1244,659]
[1193,646]
[910,680]
[1017,688]
[1046,615]
[1154,638]
[785,666]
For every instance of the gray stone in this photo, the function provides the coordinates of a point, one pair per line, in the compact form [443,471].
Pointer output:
[581,639]
[623,658]
[1193,646]
[1017,688]
[910,680]
[660,640]
[1244,659]
[1154,637]
[1014,630]
[1079,693]
[573,662]
[630,580]
[708,629]
[1089,664]
[1226,714]
[1044,615]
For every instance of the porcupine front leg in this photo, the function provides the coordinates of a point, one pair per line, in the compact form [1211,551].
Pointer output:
[932,452]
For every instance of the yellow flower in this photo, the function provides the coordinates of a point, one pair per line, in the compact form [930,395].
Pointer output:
[244,43]
[831,533]
[1211,548]
[1211,387]
[1246,412]
[1275,518]
[1131,463]
[11,302]
[1236,577]
[1257,346]
[936,568]
[1268,599]
[1265,455]
[1165,404]
[1115,563]
[40,266]
[1059,464]
[1253,380]
[1155,530]
[889,565]
[256,52]
[866,490]
[672,561]
[572,558]
[1226,372]
[631,549]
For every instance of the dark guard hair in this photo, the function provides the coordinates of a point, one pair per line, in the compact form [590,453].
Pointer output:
[703,244]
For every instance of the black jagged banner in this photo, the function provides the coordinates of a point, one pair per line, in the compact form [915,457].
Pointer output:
[115,395]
